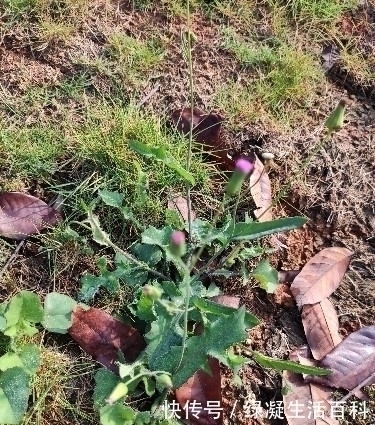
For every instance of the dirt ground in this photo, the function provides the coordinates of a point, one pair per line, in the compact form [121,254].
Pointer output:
[336,192]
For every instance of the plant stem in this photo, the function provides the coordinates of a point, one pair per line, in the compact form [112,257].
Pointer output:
[191,95]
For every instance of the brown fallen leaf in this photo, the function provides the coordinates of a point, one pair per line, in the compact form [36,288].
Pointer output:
[202,387]
[321,275]
[321,326]
[282,296]
[352,361]
[260,189]
[23,215]
[206,130]
[302,396]
[179,204]
[102,336]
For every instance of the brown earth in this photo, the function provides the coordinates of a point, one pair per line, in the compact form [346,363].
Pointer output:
[336,192]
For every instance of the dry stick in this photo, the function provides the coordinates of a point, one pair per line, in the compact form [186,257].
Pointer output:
[148,96]
[358,387]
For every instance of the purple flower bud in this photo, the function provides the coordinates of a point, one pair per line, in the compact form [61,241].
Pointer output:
[242,169]
[178,243]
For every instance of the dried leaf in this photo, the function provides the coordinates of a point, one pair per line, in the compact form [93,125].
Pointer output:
[303,395]
[321,275]
[260,189]
[330,55]
[102,336]
[353,361]
[203,388]
[22,215]
[321,326]
[180,205]
[206,130]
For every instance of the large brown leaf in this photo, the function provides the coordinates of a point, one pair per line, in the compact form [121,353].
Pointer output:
[23,215]
[353,361]
[302,395]
[206,130]
[260,189]
[102,336]
[321,326]
[321,275]
[202,387]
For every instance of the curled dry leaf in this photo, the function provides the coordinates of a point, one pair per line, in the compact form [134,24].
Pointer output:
[321,326]
[203,387]
[206,130]
[23,215]
[352,361]
[102,336]
[321,275]
[302,395]
[260,189]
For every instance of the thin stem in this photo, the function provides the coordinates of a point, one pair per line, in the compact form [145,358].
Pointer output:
[191,95]
[186,311]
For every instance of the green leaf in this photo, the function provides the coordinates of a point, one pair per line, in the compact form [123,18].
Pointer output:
[105,382]
[160,154]
[255,230]
[117,414]
[149,254]
[91,285]
[251,252]
[216,338]
[130,273]
[214,308]
[266,276]
[99,235]
[27,357]
[23,310]
[149,384]
[14,395]
[145,309]
[141,185]
[113,199]
[203,232]
[3,324]
[289,365]
[165,333]
[57,312]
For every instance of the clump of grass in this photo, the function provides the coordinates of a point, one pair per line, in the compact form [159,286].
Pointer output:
[58,389]
[283,80]
[133,57]
[358,64]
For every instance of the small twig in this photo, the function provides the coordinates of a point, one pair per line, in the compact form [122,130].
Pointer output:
[148,96]
[358,387]
[11,258]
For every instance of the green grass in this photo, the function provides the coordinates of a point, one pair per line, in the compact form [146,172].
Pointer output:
[280,80]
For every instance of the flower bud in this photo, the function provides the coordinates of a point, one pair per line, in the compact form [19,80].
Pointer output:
[151,292]
[177,244]
[164,380]
[336,119]
[242,169]
[119,391]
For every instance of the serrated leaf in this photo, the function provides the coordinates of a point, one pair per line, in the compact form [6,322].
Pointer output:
[117,414]
[266,276]
[57,312]
[321,275]
[105,382]
[131,274]
[288,365]
[26,357]
[214,341]
[98,234]
[203,232]
[91,285]
[14,395]
[255,230]
[113,199]
[149,254]
[218,309]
